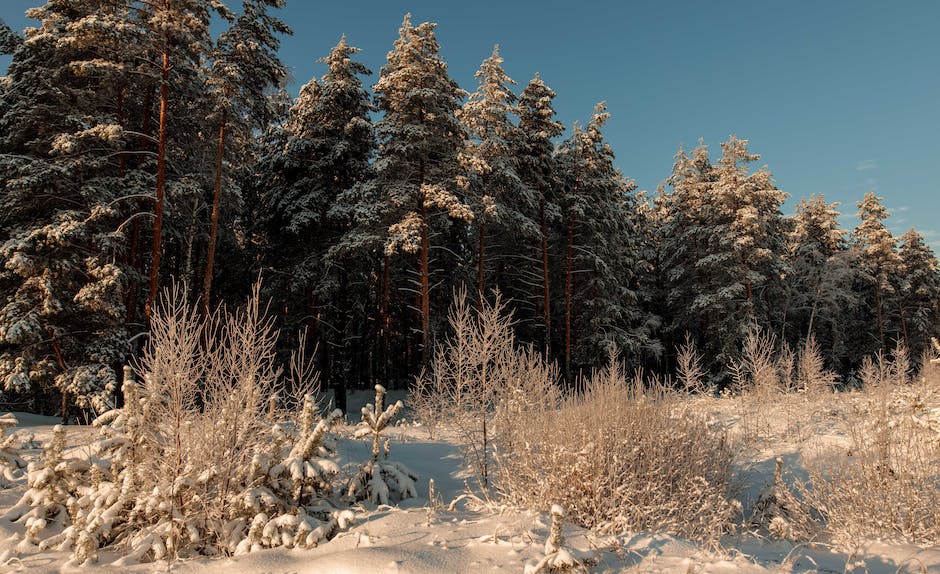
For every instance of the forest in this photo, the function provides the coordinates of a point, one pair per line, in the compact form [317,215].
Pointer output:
[138,151]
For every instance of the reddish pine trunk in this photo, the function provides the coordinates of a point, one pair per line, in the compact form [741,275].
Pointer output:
[386,319]
[214,225]
[480,256]
[545,303]
[161,181]
[61,361]
[425,291]
[907,342]
[881,326]
[568,284]
[134,256]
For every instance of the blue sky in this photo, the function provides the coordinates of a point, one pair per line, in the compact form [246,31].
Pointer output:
[839,97]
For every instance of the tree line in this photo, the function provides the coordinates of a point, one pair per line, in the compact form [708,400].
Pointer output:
[137,150]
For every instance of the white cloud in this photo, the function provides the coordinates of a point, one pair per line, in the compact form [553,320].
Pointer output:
[866,164]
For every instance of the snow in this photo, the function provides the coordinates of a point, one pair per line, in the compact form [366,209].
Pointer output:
[478,536]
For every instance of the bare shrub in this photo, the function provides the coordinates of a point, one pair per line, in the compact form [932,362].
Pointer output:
[813,377]
[620,458]
[478,379]
[689,369]
[887,486]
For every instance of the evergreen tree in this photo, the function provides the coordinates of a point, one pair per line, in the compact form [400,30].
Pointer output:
[683,241]
[725,249]
[919,292]
[417,164]
[538,168]
[820,279]
[878,265]
[63,179]
[246,69]
[602,253]
[323,153]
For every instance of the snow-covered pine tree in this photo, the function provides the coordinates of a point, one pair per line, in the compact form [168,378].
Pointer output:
[819,279]
[681,242]
[10,460]
[65,188]
[723,243]
[381,479]
[878,264]
[178,42]
[245,72]
[321,155]
[602,253]
[503,205]
[534,151]
[417,164]
[919,292]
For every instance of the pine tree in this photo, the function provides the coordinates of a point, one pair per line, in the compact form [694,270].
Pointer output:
[538,168]
[179,34]
[64,179]
[879,262]
[502,203]
[602,251]
[820,279]
[245,71]
[919,292]
[417,164]
[323,153]
[725,246]
[683,241]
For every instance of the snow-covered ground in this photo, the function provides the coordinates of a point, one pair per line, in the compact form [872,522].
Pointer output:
[476,536]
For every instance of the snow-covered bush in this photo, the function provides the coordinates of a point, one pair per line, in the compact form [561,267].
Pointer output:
[620,458]
[11,463]
[380,479]
[195,462]
[480,381]
[557,558]
[887,484]
[53,485]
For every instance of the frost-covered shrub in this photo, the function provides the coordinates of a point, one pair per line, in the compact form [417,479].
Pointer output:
[380,479]
[195,462]
[11,463]
[557,558]
[887,485]
[480,381]
[619,458]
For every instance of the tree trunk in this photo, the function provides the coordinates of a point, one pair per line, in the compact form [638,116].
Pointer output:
[480,256]
[907,342]
[161,180]
[61,361]
[425,287]
[214,225]
[425,272]
[881,326]
[568,284]
[545,286]
[386,321]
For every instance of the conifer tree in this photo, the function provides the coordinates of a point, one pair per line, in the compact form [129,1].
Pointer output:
[502,203]
[538,168]
[323,153]
[417,164]
[819,279]
[602,251]
[65,182]
[878,262]
[245,71]
[919,292]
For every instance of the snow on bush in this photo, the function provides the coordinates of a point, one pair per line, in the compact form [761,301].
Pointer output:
[380,479]
[622,458]
[11,463]
[886,486]
[195,462]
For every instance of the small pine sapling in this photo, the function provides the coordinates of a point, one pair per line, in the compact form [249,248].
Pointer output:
[380,479]
[52,487]
[557,557]
[11,463]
